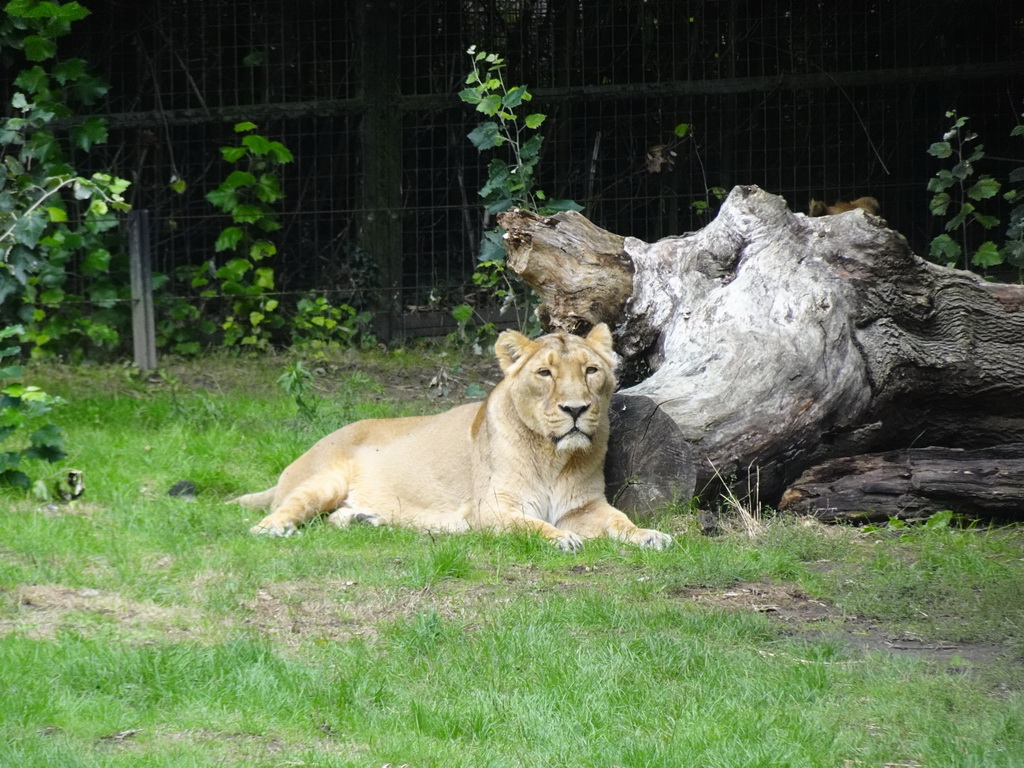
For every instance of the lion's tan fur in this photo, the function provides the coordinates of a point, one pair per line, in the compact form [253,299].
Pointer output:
[531,456]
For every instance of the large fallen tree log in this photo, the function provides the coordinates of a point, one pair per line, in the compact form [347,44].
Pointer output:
[770,342]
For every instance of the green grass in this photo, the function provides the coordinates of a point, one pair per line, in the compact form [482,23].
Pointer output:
[140,629]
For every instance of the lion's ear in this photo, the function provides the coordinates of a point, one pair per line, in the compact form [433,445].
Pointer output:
[600,338]
[510,347]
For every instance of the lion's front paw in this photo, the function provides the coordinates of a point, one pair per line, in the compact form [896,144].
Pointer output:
[271,526]
[648,537]
[568,541]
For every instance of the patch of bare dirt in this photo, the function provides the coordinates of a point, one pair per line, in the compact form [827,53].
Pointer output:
[813,619]
[40,611]
[294,612]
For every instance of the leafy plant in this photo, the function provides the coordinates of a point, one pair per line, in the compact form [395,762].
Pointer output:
[248,196]
[511,180]
[297,381]
[662,157]
[54,224]
[958,190]
[1013,249]
[320,325]
[21,406]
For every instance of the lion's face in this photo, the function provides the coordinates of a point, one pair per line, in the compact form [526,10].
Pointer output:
[560,384]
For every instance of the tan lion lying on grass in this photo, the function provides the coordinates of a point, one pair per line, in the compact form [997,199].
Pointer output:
[531,456]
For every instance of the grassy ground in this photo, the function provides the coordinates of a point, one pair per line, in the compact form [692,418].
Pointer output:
[143,629]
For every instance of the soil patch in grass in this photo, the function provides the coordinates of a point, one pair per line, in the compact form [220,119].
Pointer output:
[815,620]
[43,610]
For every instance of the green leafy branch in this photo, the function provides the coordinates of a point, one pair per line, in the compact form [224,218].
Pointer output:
[510,182]
[21,406]
[53,222]
[248,195]
[956,190]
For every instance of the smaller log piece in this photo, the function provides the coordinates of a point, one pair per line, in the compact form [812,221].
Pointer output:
[580,271]
[912,483]
[649,464]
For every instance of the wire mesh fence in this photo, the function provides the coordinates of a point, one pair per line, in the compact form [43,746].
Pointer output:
[805,99]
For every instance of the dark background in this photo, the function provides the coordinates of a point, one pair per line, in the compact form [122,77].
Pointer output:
[805,99]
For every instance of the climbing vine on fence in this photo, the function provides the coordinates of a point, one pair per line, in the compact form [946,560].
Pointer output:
[58,236]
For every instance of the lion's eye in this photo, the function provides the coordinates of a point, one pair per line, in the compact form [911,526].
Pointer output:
[591,370]
[544,372]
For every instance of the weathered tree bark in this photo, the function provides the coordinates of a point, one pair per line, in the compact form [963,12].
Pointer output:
[915,482]
[775,342]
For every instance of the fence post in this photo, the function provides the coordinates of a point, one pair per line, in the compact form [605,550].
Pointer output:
[143,323]
[380,231]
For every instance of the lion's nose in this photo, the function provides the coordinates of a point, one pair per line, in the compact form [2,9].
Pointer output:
[575,410]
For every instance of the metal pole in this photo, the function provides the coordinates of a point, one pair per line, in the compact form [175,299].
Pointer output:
[143,323]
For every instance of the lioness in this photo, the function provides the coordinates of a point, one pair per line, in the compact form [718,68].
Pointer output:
[531,456]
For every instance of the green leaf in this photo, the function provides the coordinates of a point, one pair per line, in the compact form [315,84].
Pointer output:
[234,270]
[92,131]
[961,170]
[940,149]
[12,478]
[985,220]
[179,186]
[56,214]
[942,181]
[47,444]
[987,255]
[33,80]
[489,105]
[39,48]
[7,332]
[268,189]
[32,9]
[554,206]
[984,188]
[264,278]
[224,198]
[257,144]
[470,95]
[244,126]
[946,248]
[97,262]
[261,249]
[66,71]
[514,97]
[462,314]
[531,149]
[939,204]
[228,239]
[280,153]
[957,221]
[682,130]
[486,136]
[247,214]
[492,247]
[89,90]
[30,227]
[238,179]
[498,177]
[534,120]
[232,154]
